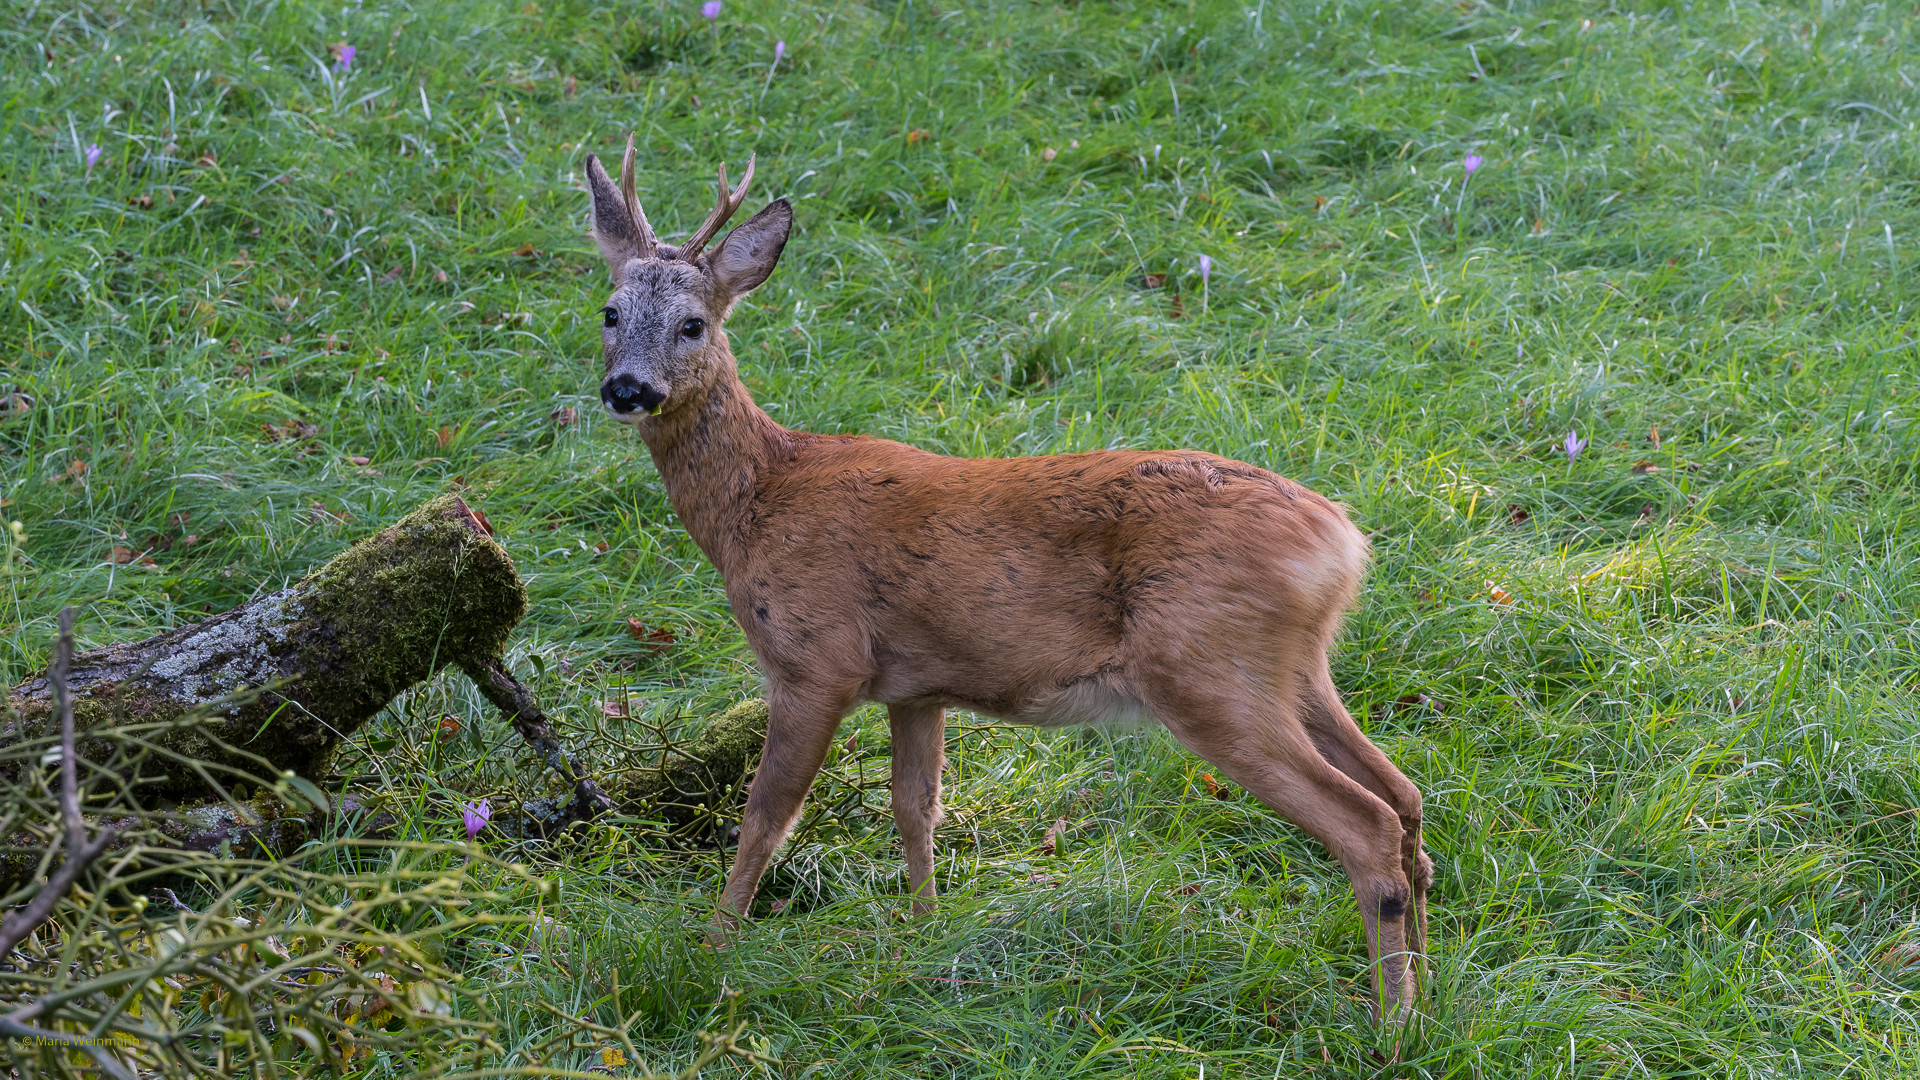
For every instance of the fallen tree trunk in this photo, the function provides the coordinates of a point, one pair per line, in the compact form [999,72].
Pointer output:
[282,680]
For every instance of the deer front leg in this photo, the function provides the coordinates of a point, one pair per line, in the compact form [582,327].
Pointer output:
[800,726]
[919,754]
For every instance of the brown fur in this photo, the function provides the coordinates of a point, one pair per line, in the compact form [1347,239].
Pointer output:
[1177,585]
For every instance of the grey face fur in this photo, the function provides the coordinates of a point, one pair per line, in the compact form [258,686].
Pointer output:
[661,327]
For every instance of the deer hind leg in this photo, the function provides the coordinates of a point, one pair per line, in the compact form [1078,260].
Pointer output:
[1348,749]
[800,727]
[1260,742]
[919,754]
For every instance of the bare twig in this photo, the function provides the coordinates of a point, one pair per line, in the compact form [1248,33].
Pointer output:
[80,851]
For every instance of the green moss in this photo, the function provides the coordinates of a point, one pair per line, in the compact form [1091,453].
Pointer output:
[705,775]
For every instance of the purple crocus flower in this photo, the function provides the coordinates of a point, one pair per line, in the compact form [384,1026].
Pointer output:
[93,155]
[475,815]
[1573,446]
[779,49]
[1472,163]
[1206,270]
[711,9]
[345,60]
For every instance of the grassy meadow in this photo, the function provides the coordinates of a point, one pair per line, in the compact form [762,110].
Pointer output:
[1661,693]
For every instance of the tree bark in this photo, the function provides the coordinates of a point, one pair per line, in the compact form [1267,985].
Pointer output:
[279,682]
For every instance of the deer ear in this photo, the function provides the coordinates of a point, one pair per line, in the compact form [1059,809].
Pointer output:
[613,227]
[748,254]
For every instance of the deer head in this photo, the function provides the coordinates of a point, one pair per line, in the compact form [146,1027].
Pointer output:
[661,327]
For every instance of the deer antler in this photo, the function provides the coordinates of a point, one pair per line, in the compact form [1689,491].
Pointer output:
[729,201]
[642,230]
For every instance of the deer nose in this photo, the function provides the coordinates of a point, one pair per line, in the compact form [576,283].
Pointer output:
[624,393]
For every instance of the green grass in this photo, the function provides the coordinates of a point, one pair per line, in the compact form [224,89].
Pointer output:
[1671,786]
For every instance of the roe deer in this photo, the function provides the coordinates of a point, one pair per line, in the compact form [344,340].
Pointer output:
[1177,585]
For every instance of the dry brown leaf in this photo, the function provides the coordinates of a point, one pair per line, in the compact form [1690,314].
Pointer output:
[1319,203]
[76,470]
[600,548]
[141,202]
[393,275]
[1189,889]
[1643,468]
[444,436]
[122,555]
[1154,281]
[448,727]
[1517,513]
[1653,436]
[917,135]
[525,251]
[565,417]
[1214,787]
[613,708]
[1497,594]
[356,459]
[657,638]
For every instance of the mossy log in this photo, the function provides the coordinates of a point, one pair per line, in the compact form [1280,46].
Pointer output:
[283,679]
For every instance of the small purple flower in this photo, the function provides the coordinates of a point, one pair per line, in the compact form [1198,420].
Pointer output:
[93,155]
[343,57]
[475,815]
[1206,269]
[1573,446]
[1472,163]
[779,49]
[710,9]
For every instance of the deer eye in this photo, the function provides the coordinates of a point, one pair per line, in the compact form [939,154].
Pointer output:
[692,328]
[612,317]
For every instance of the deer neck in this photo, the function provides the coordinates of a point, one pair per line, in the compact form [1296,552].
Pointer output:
[710,452]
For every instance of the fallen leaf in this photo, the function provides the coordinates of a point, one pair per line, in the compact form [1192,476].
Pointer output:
[612,1056]
[1539,227]
[189,540]
[440,276]
[525,251]
[14,404]
[852,745]
[1653,436]
[1517,513]
[613,708]
[1154,281]
[916,135]
[1646,513]
[565,417]
[1214,787]
[76,470]
[657,638]
[393,275]
[1049,154]
[207,159]
[600,548]
[1497,594]
[160,542]
[444,436]
[1427,599]
[571,85]
[1642,468]
[1051,845]
[141,202]
[122,555]
[448,727]
[1177,311]
[358,460]
[1189,889]
[1319,203]
[778,906]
